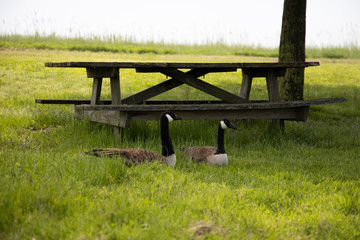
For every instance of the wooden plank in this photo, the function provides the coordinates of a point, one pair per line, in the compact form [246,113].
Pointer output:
[112,117]
[96,91]
[165,65]
[273,87]
[107,102]
[211,107]
[216,104]
[203,86]
[207,70]
[64,101]
[151,92]
[302,114]
[115,89]
[121,115]
[102,72]
[289,114]
[160,88]
[279,65]
[115,100]
[115,118]
[246,84]
[172,102]
[264,72]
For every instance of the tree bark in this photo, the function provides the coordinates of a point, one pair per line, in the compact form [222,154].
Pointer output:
[292,48]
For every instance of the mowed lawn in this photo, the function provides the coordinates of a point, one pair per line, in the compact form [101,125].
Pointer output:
[303,183]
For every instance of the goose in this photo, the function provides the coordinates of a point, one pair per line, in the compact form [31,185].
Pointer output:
[134,156]
[211,155]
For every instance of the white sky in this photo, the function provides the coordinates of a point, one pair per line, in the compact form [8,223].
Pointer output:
[256,22]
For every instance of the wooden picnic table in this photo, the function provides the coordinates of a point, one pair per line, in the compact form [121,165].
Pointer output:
[120,111]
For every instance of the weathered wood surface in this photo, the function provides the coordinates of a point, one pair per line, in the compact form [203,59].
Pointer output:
[102,72]
[246,84]
[177,65]
[118,118]
[107,102]
[210,107]
[167,103]
[115,118]
[151,92]
[207,70]
[69,101]
[272,86]
[203,86]
[122,115]
[115,89]
[160,88]
[96,91]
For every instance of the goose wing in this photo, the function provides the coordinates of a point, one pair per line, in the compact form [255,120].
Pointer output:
[199,153]
[132,156]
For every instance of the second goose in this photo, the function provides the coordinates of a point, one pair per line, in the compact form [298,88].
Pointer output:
[211,155]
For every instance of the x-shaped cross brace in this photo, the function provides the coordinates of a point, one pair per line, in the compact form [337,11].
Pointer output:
[178,78]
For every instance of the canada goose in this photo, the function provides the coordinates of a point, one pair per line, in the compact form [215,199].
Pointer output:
[211,155]
[134,156]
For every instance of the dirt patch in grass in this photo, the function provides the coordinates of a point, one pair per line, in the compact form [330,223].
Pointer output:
[201,229]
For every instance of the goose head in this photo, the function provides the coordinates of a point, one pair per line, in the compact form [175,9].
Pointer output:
[169,117]
[225,124]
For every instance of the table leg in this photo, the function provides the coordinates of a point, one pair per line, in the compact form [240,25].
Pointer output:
[116,100]
[96,91]
[246,84]
[274,96]
[115,89]
[273,87]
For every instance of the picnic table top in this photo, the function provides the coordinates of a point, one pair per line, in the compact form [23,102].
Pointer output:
[184,65]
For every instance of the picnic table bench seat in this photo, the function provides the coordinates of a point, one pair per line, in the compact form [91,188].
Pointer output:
[121,115]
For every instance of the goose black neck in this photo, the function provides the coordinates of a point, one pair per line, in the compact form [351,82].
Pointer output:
[220,141]
[167,148]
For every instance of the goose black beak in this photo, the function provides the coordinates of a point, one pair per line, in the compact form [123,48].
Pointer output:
[177,117]
[232,126]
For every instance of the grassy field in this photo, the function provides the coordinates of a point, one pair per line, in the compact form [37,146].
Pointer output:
[300,184]
[120,44]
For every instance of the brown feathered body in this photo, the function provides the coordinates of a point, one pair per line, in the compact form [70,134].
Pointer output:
[131,156]
[205,154]
[199,153]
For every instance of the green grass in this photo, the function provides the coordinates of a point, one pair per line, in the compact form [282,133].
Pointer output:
[300,184]
[120,44]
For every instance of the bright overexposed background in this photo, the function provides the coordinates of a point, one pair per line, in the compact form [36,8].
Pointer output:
[256,23]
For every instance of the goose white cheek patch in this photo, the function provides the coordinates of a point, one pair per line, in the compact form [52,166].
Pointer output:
[170,119]
[223,125]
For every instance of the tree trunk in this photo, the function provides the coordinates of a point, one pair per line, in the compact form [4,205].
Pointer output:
[292,48]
